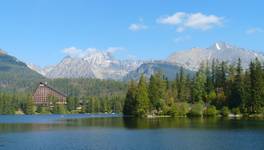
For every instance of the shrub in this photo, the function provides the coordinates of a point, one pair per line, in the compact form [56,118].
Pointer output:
[42,110]
[165,110]
[236,111]
[59,109]
[225,111]
[260,110]
[173,111]
[183,109]
[197,110]
[210,111]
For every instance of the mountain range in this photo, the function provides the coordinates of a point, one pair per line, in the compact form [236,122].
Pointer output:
[102,65]
[191,59]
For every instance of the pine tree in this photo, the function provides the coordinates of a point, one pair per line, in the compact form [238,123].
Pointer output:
[182,86]
[221,75]
[29,105]
[237,88]
[130,100]
[209,79]
[199,89]
[142,98]
[157,90]
[256,79]
[213,69]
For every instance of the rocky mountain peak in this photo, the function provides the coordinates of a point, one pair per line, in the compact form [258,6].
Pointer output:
[221,46]
[102,65]
[222,51]
[98,58]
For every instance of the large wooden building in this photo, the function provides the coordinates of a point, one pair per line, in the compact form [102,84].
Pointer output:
[44,94]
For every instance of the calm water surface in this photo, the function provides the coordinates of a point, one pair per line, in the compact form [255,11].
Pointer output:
[112,132]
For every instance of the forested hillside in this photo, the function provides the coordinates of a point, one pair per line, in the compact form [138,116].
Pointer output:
[89,87]
[15,76]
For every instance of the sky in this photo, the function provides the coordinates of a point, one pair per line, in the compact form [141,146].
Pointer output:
[42,32]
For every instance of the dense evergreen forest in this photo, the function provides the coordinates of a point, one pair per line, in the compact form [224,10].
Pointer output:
[217,88]
[94,95]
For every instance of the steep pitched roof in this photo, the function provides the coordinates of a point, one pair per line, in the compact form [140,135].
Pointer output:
[44,84]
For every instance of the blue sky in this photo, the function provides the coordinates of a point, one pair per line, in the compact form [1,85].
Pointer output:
[44,31]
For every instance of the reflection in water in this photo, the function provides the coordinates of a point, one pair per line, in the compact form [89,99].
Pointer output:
[194,123]
[113,132]
[130,123]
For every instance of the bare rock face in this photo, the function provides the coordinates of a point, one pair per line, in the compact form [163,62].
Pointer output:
[149,68]
[102,65]
[191,59]
[99,65]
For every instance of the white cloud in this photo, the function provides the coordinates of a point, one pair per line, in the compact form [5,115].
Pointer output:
[137,27]
[72,51]
[254,30]
[175,19]
[76,52]
[180,39]
[204,22]
[199,21]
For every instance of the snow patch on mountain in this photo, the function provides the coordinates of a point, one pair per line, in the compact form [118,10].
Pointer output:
[217,46]
[191,59]
[94,64]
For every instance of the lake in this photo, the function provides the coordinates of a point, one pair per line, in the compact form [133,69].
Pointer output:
[112,132]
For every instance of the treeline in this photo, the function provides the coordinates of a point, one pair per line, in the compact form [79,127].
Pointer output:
[82,88]
[84,96]
[23,104]
[108,104]
[16,103]
[217,88]
[71,87]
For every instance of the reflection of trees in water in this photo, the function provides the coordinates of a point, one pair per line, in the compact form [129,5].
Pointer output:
[193,123]
[95,122]
[134,123]
[27,127]
[155,123]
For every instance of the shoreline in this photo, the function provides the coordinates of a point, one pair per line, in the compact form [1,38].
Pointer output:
[237,116]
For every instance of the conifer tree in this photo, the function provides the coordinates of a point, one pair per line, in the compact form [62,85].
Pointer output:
[209,79]
[142,98]
[237,88]
[130,100]
[182,86]
[199,90]
[29,105]
[157,90]
[256,79]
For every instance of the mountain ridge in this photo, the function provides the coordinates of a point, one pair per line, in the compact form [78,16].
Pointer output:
[102,65]
[15,74]
[93,65]
[221,51]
